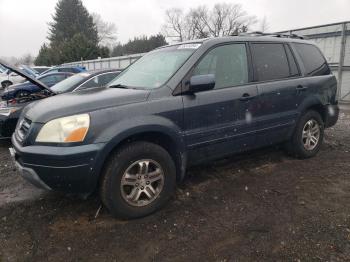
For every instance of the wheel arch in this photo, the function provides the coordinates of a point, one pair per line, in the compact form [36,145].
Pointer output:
[316,104]
[163,136]
[6,81]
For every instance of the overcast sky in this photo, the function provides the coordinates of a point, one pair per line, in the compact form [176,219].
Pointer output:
[24,22]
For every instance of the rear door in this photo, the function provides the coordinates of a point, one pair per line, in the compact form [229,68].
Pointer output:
[221,121]
[318,79]
[279,84]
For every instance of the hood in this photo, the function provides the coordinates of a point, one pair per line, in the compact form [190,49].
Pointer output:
[26,76]
[82,102]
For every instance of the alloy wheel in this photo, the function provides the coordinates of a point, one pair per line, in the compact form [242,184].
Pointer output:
[311,134]
[142,182]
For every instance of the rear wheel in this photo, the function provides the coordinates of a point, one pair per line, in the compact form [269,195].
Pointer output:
[138,180]
[308,135]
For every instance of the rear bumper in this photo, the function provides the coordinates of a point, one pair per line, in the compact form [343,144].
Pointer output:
[66,169]
[332,114]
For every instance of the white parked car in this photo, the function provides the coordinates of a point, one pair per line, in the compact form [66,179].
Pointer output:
[8,78]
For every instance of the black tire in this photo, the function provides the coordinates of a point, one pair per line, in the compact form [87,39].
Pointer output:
[21,93]
[6,83]
[110,186]
[295,146]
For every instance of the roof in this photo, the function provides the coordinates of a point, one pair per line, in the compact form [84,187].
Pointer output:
[247,37]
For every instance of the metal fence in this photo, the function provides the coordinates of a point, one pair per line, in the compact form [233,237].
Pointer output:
[119,62]
[333,40]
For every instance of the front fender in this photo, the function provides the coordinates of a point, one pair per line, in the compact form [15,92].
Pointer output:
[114,134]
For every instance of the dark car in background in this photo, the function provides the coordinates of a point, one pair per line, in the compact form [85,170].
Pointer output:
[88,79]
[175,107]
[10,110]
[70,69]
[27,88]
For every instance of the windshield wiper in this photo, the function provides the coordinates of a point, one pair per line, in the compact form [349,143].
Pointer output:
[119,86]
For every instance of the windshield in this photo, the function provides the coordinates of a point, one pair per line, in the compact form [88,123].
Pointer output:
[155,68]
[69,83]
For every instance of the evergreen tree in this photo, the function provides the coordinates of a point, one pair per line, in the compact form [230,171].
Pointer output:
[70,18]
[139,45]
[72,36]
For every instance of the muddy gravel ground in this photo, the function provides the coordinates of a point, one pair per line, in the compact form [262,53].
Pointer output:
[258,206]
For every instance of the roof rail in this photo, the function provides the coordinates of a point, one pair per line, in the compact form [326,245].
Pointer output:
[258,33]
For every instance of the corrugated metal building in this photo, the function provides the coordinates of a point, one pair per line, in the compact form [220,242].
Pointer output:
[334,41]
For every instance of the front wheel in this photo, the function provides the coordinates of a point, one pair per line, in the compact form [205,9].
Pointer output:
[308,135]
[138,180]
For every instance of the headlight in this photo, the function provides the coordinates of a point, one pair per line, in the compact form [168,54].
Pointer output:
[65,130]
[7,111]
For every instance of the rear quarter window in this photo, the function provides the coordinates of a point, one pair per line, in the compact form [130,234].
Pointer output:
[314,62]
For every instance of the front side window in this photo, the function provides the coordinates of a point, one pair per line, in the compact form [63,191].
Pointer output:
[270,61]
[155,68]
[228,63]
[313,60]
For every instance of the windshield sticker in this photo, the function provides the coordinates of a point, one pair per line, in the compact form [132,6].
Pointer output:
[189,46]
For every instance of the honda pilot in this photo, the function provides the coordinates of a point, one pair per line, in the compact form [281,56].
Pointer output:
[177,106]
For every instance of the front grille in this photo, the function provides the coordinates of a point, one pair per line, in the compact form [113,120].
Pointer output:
[23,129]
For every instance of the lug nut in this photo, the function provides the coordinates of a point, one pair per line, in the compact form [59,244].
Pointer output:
[147,183]
[137,184]
[142,187]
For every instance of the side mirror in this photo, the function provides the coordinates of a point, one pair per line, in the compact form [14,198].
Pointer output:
[201,83]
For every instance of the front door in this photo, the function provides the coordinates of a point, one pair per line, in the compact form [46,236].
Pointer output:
[221,121]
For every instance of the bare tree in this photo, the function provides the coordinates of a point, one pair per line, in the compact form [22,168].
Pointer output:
[228,19]
[26,59]
[175,23]
[224,19]
[106,31]
[195,21]
[264,25]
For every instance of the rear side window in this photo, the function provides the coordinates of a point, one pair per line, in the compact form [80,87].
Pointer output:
[106,78]
[313,60]
[270,61]
[99,81]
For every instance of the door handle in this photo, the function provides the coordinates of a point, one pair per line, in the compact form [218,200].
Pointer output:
[301,88]
[246,97]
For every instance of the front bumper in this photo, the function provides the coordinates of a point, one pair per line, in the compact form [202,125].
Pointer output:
[66,169]
[28,173]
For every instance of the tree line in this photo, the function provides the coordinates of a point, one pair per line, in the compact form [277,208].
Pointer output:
[75,34]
